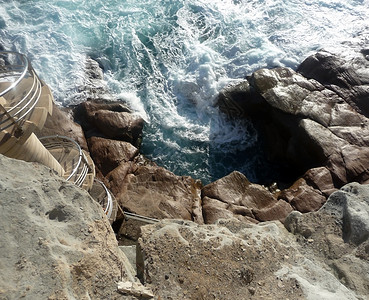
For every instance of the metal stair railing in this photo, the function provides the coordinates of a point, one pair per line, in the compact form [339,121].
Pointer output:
[76,166]
[103,196]
[16,72]
[25,103]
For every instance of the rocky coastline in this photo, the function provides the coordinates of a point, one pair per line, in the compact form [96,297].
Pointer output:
[230,239]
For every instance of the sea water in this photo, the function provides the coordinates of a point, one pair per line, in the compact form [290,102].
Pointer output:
[169,59]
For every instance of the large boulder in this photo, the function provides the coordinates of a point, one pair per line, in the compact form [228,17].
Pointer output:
[235,196]
[109,154]
[348,77]
[112,120]
[56,242]
[155,192]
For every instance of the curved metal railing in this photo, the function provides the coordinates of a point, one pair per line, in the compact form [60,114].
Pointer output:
[20,110]
[103,196]
[20,89]
[70,156]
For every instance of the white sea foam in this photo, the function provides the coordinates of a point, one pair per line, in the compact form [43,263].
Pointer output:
[169,59]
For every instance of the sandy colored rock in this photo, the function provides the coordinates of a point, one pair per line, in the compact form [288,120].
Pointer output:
[321,179]
[236,189]
[314,255]
[235,260]
[234,196]
[155,192]
[213,210]
[56,242]
[303,197]
[278,211]
[117,176]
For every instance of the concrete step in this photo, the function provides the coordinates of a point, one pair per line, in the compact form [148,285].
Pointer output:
[46,99]
[38,116]
[32,150]
[8,140]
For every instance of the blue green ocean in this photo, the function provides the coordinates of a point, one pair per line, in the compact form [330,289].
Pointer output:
[169,59]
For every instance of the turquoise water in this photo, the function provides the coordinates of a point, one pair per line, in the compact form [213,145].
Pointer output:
[169,59]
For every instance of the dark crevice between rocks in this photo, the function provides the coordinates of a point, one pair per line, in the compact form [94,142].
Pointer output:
[284,160]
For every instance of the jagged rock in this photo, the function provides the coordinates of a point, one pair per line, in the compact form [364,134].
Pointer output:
[237,190]
[337,235]
[213,210]
[278,211]
[110,120]
[309,122]
[233,195]
[321,179]
[56,242]
[155,192]
[109,154]
[349,78]
[310,191]
[303,197]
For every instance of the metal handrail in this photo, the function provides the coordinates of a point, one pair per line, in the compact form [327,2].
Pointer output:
[64,141]
[141,218]
[26,67]
[109,206]
[18,113]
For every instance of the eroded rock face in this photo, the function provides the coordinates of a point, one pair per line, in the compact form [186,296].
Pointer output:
[230,260]
[109,154]
[350,205]
[322,253]
[337,235]
[111,120]
[155,192]
[56,242]
[313,118]
[234,196]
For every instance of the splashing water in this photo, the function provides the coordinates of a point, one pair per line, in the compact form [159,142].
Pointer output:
[169,59]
